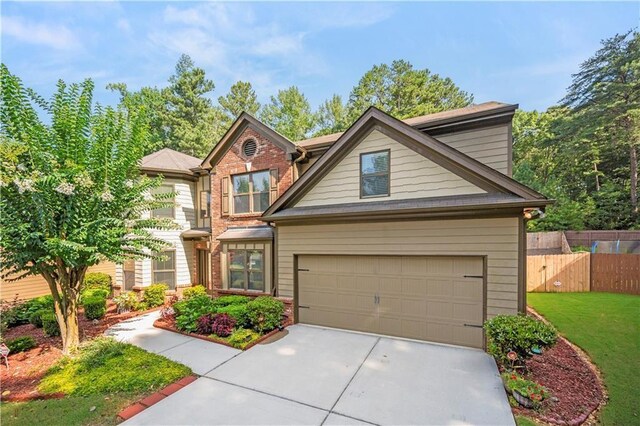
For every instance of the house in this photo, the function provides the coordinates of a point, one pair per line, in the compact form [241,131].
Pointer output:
[410,228]
[187,260]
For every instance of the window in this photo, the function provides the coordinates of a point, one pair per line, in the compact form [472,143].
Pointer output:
[164,211]
[205,204]
[129,271]
[251,192]
[246,270]
[164,270]
[374,174]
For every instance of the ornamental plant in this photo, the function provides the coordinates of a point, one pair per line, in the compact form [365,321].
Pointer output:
[517,333]
[527,388]
[223,325]
[265,313]
[71,192]
[188,311]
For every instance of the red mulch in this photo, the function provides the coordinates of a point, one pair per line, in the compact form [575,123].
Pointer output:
[27,368]
[574,386]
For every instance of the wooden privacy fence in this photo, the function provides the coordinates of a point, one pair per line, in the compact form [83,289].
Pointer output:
[579,272]
[615,273]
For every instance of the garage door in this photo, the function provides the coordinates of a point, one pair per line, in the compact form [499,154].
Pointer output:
[430,298]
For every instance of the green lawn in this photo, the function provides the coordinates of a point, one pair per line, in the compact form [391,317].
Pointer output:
[607,327]
[106,374]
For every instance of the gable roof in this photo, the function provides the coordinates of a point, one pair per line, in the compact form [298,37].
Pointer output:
[169,161]
[243,121]
[451,159]
[472,112]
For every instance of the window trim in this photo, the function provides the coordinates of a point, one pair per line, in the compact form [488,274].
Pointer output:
[251,193]
[247,270]
[174,270]
[388,173]
[173,207]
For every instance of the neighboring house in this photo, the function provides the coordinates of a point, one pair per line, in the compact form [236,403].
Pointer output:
[187,260]
[408,228]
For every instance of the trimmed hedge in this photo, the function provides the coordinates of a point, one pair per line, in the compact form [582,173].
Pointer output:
[154,295]
[50,324]
[518,333]
[36,317]
[196,290]
[265,313]
[95,307]
[94,280]
[238,312]
[233,299]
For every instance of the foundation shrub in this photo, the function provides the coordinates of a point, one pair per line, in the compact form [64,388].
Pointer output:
[265,313]
[154,295]
[95,307]
[188,311]
[50,324]
[517,333]
[196,290]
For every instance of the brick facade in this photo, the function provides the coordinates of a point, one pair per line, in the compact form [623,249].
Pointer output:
[268,156]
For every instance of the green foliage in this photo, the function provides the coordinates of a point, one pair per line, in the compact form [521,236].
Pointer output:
[239,312]
[50,324]
[36,317]
[518,333]
[242,337]
[97,280]
[196,290]
[21,344]
[232,299]
[289,114]
[154,295]
[402,91]
[126,301]
[188,311]
[332,116]
[265,313]
[104,366]
[95,307]
[241,98]
[93,292]
[71,191]
[18,313]
[525,387]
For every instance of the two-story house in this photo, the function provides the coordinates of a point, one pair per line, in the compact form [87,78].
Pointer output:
[409,228]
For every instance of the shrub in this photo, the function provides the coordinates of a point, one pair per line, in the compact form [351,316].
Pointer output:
[524,387]
[238,312]
[126,302]
[196,290]
[265,313]
[93,292]
[50,324]
[21,344]
[154,295]
[95,307]
[204,324]
[95,280]
[189,310]
[518,333]
[36,317]
[223,325]
[242,337]
[223,301]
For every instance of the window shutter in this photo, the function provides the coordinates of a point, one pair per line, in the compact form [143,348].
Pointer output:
[225,195]
[273,188]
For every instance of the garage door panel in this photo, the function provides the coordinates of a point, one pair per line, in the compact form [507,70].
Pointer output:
[418,297]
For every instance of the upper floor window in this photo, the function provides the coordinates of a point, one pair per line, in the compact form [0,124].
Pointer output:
[168,212]
[374,174]
[251,192]
[205,204]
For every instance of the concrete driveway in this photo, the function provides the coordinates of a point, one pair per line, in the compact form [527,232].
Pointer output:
[319,376]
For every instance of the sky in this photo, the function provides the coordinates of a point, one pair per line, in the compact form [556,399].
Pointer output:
[519,52]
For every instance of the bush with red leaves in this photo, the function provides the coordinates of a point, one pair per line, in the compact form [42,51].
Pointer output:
[223,325]
[204,324]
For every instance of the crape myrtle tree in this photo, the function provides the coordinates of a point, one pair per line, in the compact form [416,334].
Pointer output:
[71,192]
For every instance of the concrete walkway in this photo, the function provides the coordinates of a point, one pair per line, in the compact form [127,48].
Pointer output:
[315,376]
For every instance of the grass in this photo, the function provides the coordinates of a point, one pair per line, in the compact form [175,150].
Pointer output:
[105,374]
[525,421]
[607,327]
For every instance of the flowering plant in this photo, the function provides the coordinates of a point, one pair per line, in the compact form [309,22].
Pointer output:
[527,388]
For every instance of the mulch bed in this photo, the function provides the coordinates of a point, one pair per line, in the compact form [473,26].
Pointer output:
[26,369]
[571,379]
[169,324]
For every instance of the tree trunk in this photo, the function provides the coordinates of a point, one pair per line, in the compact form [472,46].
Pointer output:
[69,330]
[634,178]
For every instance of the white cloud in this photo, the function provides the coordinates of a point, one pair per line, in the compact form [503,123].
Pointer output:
[124,25]
[56,36]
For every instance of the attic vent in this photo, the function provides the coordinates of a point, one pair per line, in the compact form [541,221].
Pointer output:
[249,148]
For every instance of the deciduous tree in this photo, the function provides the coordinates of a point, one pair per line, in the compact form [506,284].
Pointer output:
[289,113]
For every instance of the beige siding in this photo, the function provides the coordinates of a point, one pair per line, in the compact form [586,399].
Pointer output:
[496,238]
[489,146]
[412,176]
[35,285]
[186,210]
